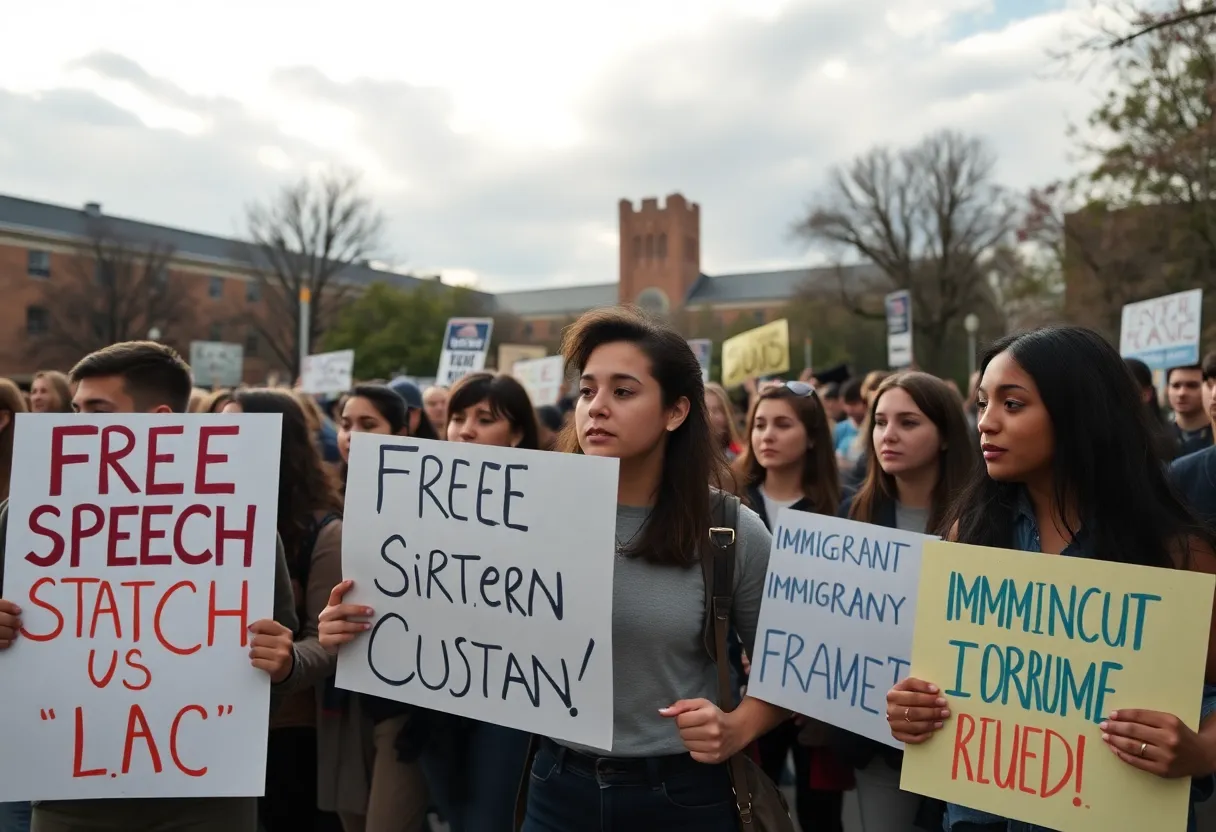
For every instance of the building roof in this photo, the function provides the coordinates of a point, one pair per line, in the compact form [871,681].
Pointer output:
[76,224]
[564,300]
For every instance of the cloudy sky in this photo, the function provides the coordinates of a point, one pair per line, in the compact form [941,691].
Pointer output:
[498,137]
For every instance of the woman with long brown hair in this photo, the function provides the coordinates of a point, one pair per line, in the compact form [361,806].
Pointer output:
[790,462]
[11,403]
[919,458]
[310,525]
[50,392]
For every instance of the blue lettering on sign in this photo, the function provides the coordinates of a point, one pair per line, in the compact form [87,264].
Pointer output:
[836,598]
[858,550]
[837,674]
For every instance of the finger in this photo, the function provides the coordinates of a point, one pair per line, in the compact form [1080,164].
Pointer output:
[9,620]
[1132,748]
[914,739]
[268,654]
[916,728]
[270,642]
[345,611]
[1144,763]
[683,706]
[262,664]
[344,627]
[333,642]
[897,705]
[268,626]
[8,633]
[338,592]
[897,715]
[702,757]
[1155,719]
[695,719]
[9,608]
[913,685]
[1135,732]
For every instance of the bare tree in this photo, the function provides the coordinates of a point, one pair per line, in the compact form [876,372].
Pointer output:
[1120,23]
[927,216]
[304,239]
[116,289]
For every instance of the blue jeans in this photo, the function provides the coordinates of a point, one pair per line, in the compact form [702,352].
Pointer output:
[14,817]
[492,768]
[567,790]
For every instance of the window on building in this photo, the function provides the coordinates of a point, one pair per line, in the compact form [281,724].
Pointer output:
[217,332]
[103,273]
[38,263]
[37,320]
[637,247]
[215,288]
[690,249]
[662,249]
[251,344]
[649,246]
[253,291]
[528,329]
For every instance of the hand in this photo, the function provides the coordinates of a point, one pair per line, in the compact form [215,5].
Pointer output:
[271,649]
[1158,743]
[705,730]
[339,623]
[915,711]
[10,623]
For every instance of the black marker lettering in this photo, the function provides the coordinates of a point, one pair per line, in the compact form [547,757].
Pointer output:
[453,485]
[371,641]
[464,589]
[432,574]
[468,669]
[489,578]
[483,491]
[446,668]
[506,500]
[405,576]
[557,603]
[427,485]
[515,579]
[485,666]
[383,470]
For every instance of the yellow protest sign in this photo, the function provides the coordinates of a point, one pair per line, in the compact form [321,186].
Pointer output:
[1032,652]
[758,352]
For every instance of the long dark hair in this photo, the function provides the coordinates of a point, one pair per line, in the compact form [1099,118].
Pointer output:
[505,397]
[692,460]
[820,475]
[11,402]
[386,400]
[304,486]
[1104,464]
[942,406]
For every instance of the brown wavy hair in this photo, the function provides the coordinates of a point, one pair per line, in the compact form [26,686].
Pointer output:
[820,476]
[942,406]
[12,402]
[305,487]
[692,460]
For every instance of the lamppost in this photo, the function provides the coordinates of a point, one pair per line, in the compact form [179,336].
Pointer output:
[971,323]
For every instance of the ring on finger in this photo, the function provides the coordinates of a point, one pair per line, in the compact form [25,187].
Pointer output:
[906,712]
[1143,746]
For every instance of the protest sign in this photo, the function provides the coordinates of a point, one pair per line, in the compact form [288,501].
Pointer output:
[543,378]
[899,329]
[328,372]
[1032,653]
[216,364]
[508,354]
[491,581]
[835,630]
[140,548]
[465,343]
[1163,332]
[703,349]
[758,352]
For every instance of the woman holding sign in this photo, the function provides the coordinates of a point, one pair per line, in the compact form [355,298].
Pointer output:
[1070,470]
[919,455]
[790,462]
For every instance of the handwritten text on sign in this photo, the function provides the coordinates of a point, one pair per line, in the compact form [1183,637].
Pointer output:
[1163,332]
[835,628]
[758,352]
[140,549]
[328,372]
[1032,652]
[491,579]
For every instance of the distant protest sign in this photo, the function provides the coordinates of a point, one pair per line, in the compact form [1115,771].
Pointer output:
[1163,332]
[835,631]
[465,344]
[490,573]
[758,352]
[328,372]
[140,548]
[1033,653]
[543,378]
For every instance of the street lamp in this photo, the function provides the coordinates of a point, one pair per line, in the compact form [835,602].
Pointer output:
[154,334]
[971,323]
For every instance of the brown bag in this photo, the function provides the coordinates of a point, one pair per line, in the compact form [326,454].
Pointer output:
[760,804]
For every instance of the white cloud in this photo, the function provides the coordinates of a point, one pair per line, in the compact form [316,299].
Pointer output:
[498,137]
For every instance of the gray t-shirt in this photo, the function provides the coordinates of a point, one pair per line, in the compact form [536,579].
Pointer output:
[911,519]
[658,655]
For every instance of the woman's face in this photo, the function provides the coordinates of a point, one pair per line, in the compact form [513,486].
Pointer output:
[779,438]
[232,407]
[43,398]
[359,415]
[480,425]
[719,419]
[620,410]
[1016,433]
[905,439]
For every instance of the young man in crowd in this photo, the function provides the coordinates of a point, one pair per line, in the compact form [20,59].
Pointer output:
[1192,425]
[147,377]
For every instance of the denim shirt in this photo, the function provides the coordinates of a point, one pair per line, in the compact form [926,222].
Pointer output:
[1026,539]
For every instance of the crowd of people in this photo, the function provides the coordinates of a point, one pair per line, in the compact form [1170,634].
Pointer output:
[1058,448]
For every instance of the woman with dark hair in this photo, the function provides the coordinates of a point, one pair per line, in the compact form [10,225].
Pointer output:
[642,401]
[722,418]
[1057,480]
[1164,441]
[486,409]
[920,456]
[310,525]
[790,462]
[420,425]
[549,422]
[366,776]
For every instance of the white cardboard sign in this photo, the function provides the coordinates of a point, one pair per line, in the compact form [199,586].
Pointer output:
[328,372]
[491,581]
[140,548]
[543,378]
